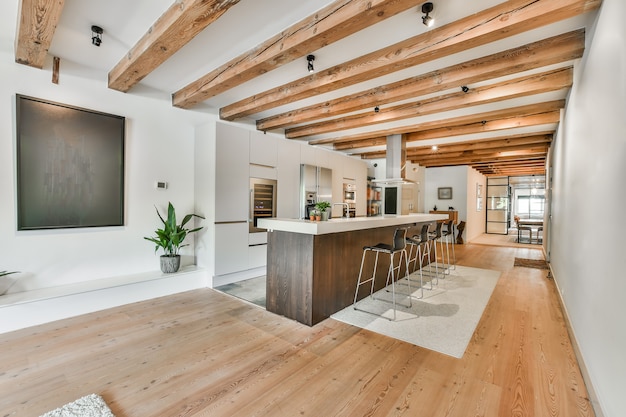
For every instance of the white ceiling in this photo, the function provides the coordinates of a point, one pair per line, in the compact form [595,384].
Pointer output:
[246,25]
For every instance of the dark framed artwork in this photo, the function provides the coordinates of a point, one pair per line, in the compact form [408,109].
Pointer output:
[444,193]
[70,166]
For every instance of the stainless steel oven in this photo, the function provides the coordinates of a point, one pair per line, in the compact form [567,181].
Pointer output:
[262,202]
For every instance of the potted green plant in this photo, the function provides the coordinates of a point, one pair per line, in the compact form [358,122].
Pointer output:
[171,237]
[322,206]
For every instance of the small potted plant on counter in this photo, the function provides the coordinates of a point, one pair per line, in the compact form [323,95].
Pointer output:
[322,207]
[170,238]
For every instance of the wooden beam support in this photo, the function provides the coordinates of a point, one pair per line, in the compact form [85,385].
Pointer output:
[501,142]
[503,20]
[37,21]
[533,114]
[505,90]
[334,22]
[487,154]
[561,48]
[488,159]
[494,143]
[182,21]
[56,63]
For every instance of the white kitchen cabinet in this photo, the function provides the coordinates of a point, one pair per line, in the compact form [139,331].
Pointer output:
[257,256]
[288,195]
[231,248]
[232,173]
[263,149]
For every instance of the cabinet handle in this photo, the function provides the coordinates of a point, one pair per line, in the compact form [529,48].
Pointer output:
[251,201]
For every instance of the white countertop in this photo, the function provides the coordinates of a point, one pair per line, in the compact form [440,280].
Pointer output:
[342,224]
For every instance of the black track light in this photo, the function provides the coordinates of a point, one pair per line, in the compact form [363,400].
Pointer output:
[376,109]
[96,35]
[428,20]
[310,59]
[465,89]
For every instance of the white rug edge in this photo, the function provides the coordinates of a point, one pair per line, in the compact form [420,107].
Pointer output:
[92,405]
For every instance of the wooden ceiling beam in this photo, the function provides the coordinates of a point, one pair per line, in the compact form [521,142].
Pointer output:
[483,159]
[485,156]
[530,115]
[553,80]
[501,21]
[468,146]
[336,21]
[493,143]
[478,153]
[561,48]
[37,21]
[180,23]
[510,164]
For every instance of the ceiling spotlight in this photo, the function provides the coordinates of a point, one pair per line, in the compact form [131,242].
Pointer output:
[434,147]
[484,122]
[376,109]
[465,89]
[427,19]
[310,59]
[96,35]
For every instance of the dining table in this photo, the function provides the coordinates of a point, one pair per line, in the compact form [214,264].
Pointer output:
[534,224]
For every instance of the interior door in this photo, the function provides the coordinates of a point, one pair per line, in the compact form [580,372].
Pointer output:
[498,203]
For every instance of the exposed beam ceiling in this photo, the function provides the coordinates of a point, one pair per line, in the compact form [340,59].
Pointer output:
[501,21]
[558,49]
[334,22]
[174,29]
[516,58]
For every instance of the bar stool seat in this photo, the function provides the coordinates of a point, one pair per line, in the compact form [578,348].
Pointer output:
[397,247]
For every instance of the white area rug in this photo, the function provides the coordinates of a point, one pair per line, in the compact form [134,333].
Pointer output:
[444,320]
[91,405]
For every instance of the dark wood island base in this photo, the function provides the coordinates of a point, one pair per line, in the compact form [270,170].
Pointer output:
[312,276]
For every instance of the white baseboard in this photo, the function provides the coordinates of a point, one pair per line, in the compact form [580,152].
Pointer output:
[29,308]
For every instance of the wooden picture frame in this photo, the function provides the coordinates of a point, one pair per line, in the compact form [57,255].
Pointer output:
[444,193]
[70,166]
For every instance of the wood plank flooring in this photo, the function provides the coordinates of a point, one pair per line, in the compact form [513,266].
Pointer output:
[203,353]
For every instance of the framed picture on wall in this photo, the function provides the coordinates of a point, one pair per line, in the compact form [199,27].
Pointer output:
[444,193]
[479,197]
[70,166]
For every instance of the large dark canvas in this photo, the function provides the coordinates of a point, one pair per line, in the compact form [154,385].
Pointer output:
[70,166]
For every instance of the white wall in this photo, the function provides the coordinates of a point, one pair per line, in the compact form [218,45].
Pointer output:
[155,132]
[588,197]
[455,177]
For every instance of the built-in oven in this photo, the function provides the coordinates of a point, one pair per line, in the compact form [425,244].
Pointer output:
[349,199]
[262,202]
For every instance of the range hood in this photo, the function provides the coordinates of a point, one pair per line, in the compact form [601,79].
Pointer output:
[395,162]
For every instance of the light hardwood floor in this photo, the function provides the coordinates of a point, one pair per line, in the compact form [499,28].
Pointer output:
[203,353]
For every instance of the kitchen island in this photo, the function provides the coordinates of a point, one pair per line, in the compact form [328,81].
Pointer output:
[313,267]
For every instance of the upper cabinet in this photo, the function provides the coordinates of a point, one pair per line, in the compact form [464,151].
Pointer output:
[263,149]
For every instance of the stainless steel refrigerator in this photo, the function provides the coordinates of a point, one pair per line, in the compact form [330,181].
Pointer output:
[316,184]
